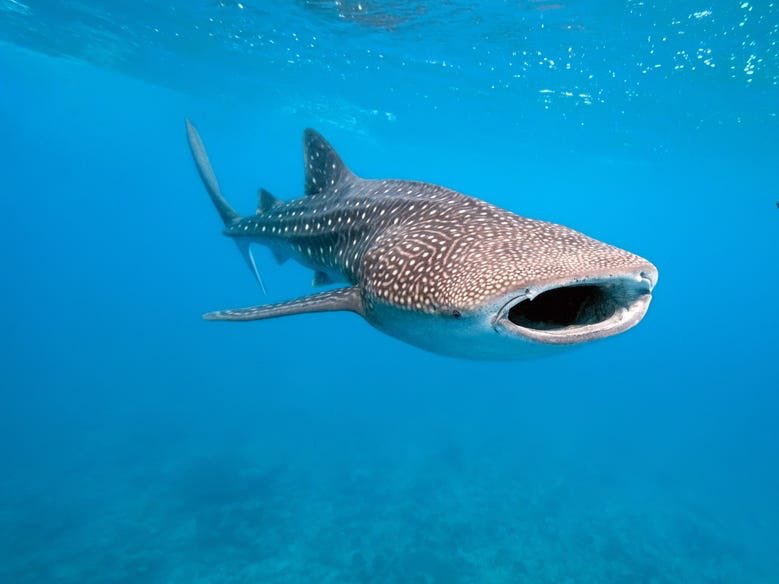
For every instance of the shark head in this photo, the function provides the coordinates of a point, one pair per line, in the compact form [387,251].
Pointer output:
[518,288]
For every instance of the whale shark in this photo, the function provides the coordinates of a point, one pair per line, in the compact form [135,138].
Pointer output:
[441,270]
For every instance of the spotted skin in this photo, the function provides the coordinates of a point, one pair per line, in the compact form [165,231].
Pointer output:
[424,247]
[409,246]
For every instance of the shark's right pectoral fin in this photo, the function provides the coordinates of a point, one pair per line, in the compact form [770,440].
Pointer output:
[348,299]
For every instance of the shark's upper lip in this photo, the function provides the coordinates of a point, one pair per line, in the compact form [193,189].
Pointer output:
[579,309]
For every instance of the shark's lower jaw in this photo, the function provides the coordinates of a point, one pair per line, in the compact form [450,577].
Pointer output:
[579,310]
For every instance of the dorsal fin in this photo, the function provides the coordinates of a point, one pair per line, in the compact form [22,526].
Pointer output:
[324,168]
[266,201]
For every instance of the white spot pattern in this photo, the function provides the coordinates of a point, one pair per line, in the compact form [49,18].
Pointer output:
[420,246]
[452,252]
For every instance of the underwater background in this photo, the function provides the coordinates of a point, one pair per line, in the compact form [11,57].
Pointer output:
[139,443]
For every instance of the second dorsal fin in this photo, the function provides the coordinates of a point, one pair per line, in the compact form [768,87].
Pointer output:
[324,168]
[266,201]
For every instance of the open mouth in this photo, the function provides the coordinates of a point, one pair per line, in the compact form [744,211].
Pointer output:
[579,311]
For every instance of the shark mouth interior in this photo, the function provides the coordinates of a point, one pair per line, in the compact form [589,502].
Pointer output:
[582,311]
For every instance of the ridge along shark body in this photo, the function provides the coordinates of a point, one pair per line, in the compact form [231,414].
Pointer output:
[438,269]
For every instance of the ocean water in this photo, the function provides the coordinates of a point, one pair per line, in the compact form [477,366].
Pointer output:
[139,443]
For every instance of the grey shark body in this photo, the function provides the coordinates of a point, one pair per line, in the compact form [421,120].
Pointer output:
[433,267]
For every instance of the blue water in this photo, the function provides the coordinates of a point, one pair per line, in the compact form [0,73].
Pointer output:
[139,443]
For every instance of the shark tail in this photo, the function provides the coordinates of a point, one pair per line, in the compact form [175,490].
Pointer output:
[226,212]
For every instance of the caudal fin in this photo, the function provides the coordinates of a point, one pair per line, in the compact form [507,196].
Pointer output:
[226,212]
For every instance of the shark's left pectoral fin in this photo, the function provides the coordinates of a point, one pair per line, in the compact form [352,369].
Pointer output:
[348,299]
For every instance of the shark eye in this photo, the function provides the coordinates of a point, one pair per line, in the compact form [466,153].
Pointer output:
[456,313]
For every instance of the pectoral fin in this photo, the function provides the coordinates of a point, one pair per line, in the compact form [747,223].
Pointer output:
[348,299]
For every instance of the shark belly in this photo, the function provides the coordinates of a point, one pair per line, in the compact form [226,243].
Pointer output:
[467,337]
